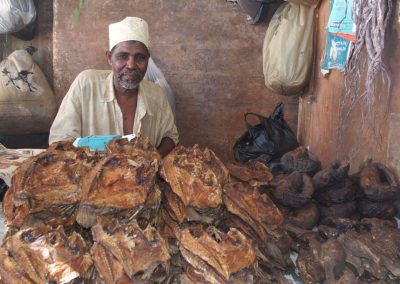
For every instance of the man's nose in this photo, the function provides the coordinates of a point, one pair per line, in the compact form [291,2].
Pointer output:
[131,62]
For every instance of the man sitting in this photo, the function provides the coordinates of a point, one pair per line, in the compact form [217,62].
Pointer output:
[118,101]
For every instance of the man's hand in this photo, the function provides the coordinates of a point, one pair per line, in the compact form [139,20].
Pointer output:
[165,146]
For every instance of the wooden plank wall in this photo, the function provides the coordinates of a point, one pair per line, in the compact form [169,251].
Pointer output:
[331,136]
[210,54]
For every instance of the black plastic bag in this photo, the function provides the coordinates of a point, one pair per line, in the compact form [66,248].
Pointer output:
[266,141]
[3,189]
[259,10]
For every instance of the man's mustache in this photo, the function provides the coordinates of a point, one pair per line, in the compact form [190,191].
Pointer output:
[132,73]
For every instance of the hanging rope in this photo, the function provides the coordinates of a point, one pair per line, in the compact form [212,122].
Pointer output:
[371,18]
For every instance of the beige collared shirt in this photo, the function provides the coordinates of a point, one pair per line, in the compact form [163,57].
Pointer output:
[90,108]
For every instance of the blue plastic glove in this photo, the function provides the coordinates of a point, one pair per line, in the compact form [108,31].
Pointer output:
[95,142]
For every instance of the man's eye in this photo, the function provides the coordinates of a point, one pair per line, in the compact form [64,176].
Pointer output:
[122,56]
[141,57]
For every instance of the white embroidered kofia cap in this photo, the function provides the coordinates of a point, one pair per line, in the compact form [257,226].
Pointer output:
[130,28]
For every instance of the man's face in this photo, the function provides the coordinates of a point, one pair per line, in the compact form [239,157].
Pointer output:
[129,61]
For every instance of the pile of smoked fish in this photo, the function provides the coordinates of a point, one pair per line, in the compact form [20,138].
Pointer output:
[128,216]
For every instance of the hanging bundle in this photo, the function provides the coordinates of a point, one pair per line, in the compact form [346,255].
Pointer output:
[288,49]
[311,3]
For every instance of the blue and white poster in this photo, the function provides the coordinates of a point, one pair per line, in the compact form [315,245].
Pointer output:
[340,18]
[336,53]
[340,34]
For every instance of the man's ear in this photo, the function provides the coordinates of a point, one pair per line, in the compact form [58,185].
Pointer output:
[108,57]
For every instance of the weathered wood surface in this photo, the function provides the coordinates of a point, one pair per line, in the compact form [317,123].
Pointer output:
[319,120]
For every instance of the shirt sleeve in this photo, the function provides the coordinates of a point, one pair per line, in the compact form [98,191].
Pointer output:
[67,124]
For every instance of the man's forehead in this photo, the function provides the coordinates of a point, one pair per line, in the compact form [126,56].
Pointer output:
[131,46]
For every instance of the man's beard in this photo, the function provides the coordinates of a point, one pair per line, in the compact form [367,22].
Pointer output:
[131,83]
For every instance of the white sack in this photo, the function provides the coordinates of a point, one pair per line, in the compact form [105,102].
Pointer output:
[15,15]
[288,49]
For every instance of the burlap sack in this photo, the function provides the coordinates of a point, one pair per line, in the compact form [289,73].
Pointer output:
[27,103]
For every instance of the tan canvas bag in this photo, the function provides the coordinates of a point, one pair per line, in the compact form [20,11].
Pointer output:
[27,103]
[288,49]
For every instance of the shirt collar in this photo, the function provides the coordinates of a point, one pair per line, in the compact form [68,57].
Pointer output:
[109,94]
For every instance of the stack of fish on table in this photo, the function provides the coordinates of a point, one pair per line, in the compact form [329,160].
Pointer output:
[128,216]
